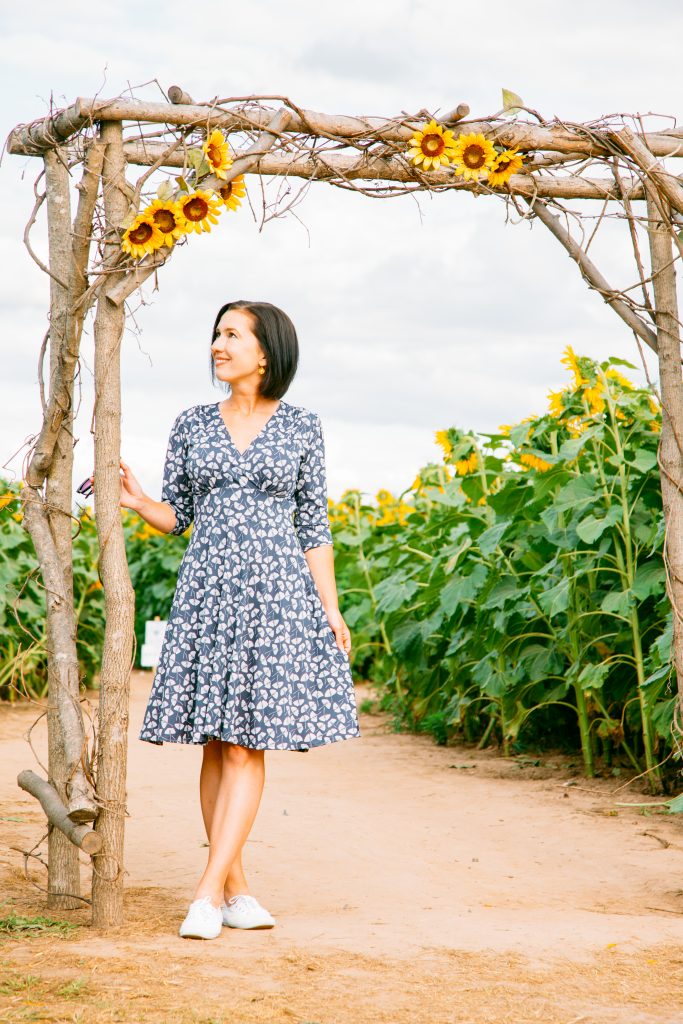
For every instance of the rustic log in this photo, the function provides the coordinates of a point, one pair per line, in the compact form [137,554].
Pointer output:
[667,183]
[81,836]
[119,596]
[32,139]
[178,95]
[322,167]
[671,390]
[120,291]
[66,741]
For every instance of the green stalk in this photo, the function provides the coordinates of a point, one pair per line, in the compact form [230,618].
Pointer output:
[653,771]
[579,694]
[366,573]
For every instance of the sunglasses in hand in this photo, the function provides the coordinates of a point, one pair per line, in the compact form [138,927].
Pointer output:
[86,487]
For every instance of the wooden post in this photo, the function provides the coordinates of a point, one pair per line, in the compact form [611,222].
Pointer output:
[63,865]
[671,389]
[119,596]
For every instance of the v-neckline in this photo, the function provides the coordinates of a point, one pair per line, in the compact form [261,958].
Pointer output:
[241,454]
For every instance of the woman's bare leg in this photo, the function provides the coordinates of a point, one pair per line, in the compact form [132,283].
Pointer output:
[231,811]
[209,782]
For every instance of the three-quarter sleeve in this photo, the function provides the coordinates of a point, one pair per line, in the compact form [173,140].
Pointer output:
[311,520]
[177,487]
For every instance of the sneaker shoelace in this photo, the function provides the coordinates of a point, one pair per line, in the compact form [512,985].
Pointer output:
[241,902]
[205,907]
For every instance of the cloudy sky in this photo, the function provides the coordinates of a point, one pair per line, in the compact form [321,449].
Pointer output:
[413,313]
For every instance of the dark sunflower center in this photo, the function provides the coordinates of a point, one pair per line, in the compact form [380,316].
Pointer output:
[503,165]
[214,154]
[432,145]
[473,156]
[226,191]
[196,209]
[164,220]
[141,234]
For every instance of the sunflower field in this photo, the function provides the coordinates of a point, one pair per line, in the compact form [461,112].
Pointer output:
[513,596]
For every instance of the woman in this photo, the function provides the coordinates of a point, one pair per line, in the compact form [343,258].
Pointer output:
[255,656]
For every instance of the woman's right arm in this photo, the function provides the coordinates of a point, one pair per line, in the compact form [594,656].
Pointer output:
[175,512]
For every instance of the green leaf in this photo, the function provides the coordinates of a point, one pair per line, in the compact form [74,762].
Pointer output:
[590,528]
[555,599]
[195,157]
[592,677]
[203,169]
[643,460]
[579,491]
[182,183]
[618,602]
[512,103]
[649,579]
[165,190]
[675,806]
[391,593]
[506,588]
[488,541]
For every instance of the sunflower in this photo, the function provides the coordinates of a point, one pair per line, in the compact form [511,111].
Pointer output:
[468,465]
[614,375]
[142,237]
[534,462]
[233,191]
[474,154]
[556,403]
[431,146]
[593,396]
[166,215]
[441,437]
[217,153]
[570,360]
[507,163]
[197,209]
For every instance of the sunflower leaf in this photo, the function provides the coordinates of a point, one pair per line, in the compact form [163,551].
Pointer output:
[165,190]
[182,183]
[195,157]
[512,103]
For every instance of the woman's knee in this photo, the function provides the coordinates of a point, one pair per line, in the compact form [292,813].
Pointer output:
[236,754]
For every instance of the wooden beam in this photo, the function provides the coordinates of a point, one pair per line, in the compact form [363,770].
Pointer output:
[43,133]
[323,167]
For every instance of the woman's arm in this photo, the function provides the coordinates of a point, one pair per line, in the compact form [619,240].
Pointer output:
[175,511]
[312,526]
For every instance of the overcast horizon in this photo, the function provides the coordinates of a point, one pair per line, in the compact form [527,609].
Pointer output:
[413,313]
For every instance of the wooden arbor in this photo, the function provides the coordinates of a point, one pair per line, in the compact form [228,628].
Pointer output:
[614,161]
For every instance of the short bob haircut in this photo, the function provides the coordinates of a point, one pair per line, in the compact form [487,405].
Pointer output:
[278,339]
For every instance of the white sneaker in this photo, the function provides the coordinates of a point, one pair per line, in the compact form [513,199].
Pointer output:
[244,911]
[203,921]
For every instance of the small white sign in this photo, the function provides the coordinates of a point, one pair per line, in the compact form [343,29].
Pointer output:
[151,648]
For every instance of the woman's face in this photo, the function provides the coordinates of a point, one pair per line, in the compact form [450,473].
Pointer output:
[236,350]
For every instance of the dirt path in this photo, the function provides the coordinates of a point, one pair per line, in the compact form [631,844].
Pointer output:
[410,883]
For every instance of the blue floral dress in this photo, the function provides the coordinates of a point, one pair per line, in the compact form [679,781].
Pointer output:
[248,654]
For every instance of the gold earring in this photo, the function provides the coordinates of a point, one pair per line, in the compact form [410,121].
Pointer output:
[261,369]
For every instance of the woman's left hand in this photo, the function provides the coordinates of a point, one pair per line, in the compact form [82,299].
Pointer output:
[340,629]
